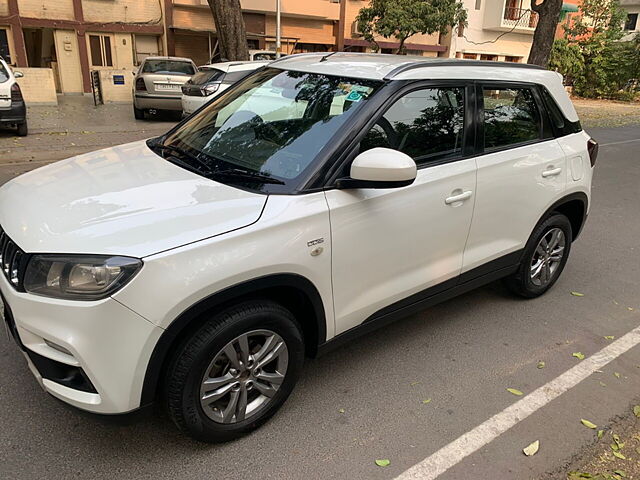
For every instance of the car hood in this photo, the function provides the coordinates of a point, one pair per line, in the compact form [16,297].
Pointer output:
[124,200]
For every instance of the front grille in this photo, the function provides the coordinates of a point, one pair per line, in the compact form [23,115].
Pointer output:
[13,260]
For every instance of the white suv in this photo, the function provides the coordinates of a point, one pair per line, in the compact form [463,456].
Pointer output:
[320,198]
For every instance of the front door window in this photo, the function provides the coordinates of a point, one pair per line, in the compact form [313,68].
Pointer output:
[426,124]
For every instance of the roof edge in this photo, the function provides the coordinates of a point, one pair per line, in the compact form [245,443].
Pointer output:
[458,63]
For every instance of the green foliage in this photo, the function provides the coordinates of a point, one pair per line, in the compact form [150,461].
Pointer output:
[567,59]
[403,19]
[591,55]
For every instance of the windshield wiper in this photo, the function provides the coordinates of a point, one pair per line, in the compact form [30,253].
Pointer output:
[247,174]
[205,168]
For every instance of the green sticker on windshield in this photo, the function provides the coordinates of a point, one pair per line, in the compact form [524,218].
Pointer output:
[354,97]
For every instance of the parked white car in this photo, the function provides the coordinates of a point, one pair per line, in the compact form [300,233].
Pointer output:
[13,110]
[323,197]
[255,55]
[212,80]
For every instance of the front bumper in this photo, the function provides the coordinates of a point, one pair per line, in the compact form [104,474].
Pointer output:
[92,355]
[14,115]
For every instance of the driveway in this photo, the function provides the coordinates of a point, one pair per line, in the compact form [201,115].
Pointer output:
[368,400]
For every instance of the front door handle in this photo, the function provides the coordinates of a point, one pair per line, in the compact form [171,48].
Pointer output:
[461,197]
[551,172]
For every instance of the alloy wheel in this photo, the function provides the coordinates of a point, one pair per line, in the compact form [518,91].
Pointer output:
[244,376]
[547,257]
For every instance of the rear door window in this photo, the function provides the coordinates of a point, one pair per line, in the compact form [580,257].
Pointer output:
[233,77]
[511,116]
[207,76]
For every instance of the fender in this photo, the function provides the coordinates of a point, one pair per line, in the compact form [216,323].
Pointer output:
[191,318]
[557,206]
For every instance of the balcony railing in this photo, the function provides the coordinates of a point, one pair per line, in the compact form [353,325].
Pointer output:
[519,17]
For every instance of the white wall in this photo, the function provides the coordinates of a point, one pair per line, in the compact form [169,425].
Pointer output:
[511,44]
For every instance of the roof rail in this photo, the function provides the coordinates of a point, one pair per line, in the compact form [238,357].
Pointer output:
[458,63]
[308,54]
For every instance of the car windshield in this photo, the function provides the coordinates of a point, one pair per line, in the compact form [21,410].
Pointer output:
[206,76]
[168,67]
[4,74]
[272,125]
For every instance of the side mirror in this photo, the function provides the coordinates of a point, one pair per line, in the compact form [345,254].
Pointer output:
[18,74]
[380,168]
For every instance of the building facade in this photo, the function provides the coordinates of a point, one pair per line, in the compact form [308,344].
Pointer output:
[65,44]
[500,30]
[632,24]
[71,38]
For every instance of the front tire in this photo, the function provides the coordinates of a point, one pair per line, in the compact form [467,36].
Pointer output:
[544,257]
[235,372]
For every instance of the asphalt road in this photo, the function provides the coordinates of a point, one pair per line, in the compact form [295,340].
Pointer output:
[462,354]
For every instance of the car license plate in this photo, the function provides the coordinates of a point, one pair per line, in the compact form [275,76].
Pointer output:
[168,87]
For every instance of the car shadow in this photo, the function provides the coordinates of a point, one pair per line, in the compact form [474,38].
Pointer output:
[149,436]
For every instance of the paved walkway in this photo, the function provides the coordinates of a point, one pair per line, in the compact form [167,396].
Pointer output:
[76,126]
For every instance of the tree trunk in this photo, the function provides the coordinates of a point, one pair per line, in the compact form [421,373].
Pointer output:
[548,16]
[402,49]
[230,29]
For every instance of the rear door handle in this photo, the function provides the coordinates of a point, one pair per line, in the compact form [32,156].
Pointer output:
[461,197]
[551,172]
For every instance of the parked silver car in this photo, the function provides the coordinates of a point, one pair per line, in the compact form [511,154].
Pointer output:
[158,84]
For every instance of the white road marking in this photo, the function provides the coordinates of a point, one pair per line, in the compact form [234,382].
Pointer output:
[620,142]
[453,453]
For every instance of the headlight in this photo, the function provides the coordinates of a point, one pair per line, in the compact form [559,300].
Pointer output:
[78,277]
[209,89]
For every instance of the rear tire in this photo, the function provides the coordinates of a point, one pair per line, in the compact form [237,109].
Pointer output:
[214,397]
[544,258]
[23,129]
[138,113]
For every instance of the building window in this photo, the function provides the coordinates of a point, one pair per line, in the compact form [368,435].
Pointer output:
[145,46]
[512,59]
[632,21]
[461,29]
[469,56]
[478,4]
[487,57]
[100,46]
[4,45]
[312,47]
